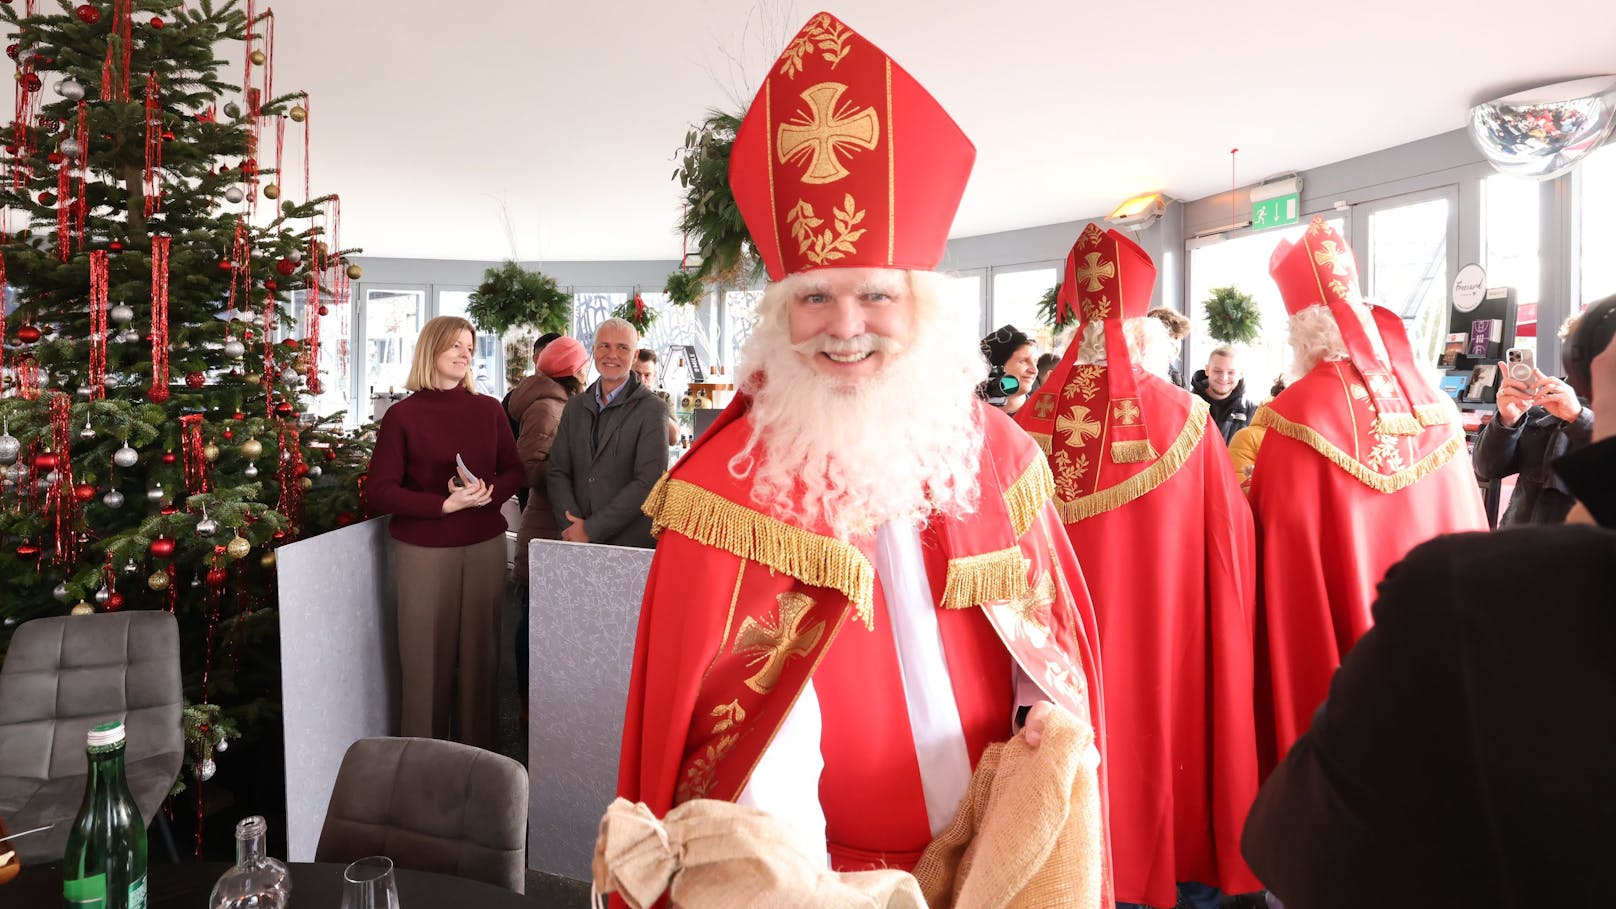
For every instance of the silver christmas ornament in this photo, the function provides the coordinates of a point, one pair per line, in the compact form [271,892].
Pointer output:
[234,349]
[125,456]
[43,484]
[60,591]
[10,446]
[52,478]
[232,110]
[250,471]
[206,527]
[88,432]
[113,499]
[314,471]
[206,769]
[121,314]
[155,493]
[129,336]
[289,376]
[224,744]
[110,381]
[70,147]
[295,255]
[234,194]
[130,567]
[27,54]
[70,90]
[102,594]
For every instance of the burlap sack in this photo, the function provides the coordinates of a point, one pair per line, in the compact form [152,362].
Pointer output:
[1029,834]
[711,854]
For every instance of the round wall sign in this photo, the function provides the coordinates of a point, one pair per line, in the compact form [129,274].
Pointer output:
[1469,288]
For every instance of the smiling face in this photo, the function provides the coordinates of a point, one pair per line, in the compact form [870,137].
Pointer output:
[614,353]
[847,323]
[1023,364]
[452,362]
[1222,375]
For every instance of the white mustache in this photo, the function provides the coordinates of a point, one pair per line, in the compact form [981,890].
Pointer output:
[847,347]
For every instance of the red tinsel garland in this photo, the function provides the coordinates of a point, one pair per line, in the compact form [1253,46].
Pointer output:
[158,392]
[239,262]
[60,503]
[308,117]
[5,287]
[115,71]
[291,498]
[27,377]
[154,146]
[98,324]
[81,202]
[191,445]
[64,210]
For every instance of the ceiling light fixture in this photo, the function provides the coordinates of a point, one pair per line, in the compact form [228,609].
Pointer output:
[1139,212]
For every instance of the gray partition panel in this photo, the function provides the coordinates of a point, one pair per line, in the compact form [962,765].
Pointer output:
[585,605]
[339,663]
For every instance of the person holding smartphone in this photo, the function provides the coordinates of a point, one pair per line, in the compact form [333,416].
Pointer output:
[445,460]
[1539,419]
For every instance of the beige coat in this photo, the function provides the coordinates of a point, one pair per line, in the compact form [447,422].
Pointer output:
[536,404]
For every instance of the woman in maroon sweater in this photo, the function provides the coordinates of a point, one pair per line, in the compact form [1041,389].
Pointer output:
[449,537]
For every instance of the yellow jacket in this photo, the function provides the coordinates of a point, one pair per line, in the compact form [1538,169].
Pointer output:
[1243,452]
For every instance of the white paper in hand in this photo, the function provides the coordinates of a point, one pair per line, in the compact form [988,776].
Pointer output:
[466,475]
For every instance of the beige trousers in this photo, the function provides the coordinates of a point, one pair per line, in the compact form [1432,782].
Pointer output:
[448,630]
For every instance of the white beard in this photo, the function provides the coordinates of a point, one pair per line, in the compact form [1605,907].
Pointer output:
[900,446]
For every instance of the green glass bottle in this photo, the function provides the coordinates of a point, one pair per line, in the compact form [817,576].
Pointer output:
[105,863]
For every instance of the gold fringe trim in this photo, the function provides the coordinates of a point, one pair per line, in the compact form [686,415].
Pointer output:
[1396,424]
[1381,482]
[1437,414]
[1046,442]
[815,560]
[1133,452]
[986,578]
[1028,495]
[1104,500]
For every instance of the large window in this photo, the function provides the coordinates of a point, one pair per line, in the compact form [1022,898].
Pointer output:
[335,375]
[1407,267]
[1510,237]
[1242,262]
[962,299]
[485,364]
[392,320]
[1015,300]
[1598,206]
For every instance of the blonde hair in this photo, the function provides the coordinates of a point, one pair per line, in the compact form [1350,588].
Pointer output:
[437,336]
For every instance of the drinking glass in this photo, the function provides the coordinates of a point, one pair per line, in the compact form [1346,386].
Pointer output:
[368,884]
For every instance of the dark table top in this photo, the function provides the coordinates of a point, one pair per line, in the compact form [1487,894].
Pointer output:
[314,886]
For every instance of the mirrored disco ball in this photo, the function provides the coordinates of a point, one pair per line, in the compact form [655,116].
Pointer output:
[1544,132]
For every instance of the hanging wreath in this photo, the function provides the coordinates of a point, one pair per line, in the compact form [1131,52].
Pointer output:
[637,314]
[711,218]
[1049,311]
[513,297]
[684,288]
[1232,317]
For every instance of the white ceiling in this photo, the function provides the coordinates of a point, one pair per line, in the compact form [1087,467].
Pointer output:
[436,121]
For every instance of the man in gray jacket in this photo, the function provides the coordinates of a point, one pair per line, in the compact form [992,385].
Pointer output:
[609,450]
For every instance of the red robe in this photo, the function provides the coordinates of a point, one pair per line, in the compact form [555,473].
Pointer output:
[1167,547]
[1336,505]
[741,610]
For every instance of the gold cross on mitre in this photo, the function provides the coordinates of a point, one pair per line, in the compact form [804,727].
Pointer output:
[1045,408]
[773,643]
[822,131]
[1093,270]
[1333,257]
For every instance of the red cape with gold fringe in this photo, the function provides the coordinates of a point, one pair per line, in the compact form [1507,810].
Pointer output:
[741,610]
[1168,550]
[1336,504]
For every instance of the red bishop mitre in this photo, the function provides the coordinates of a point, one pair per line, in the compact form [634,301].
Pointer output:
[844,161]
[1110,279]
[1320,269]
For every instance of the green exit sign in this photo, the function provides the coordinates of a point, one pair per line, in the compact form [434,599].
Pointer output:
[1276,212]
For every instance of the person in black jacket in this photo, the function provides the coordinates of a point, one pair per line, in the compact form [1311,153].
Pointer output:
[1222,385]
[1463,757]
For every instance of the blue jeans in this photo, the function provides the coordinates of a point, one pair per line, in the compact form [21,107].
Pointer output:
[1199,896]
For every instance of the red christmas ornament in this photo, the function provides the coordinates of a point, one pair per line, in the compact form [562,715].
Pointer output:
[168,457]
[285,409]
[157,22]
[56,158]
[217,577]
[168,508]
[168,134]
[162,547]
[195,379]
[88,14]
[323,310]
[300,470]
[84,492]
[28,334]
[115,246]
[45,460]
[229,435]
[11,50]
[344,518]
[330,454]
[47,198]
[290,342]
[27,550]
[270,284]
[286,267]
[157,394]
[114,601]
[226,265]
[31,82]
[238,415]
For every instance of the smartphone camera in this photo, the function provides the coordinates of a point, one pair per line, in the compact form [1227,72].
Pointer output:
[1521,363]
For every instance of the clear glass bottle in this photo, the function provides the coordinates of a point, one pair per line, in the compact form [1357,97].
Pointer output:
[104,866]
[257,881]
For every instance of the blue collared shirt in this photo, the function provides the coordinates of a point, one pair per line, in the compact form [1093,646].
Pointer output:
[602,404]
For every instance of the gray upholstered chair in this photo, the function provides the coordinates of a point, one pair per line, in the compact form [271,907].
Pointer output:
[65,674]
[430,806]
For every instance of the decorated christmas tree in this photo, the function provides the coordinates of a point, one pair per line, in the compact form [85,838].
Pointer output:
[164,282]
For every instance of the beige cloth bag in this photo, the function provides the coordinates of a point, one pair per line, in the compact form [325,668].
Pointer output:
[1029,835]
[711,854]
